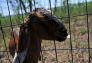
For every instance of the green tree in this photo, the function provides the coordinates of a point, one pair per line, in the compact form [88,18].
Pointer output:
[18,4]
[0,14]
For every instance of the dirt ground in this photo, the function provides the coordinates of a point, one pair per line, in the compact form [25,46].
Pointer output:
[79,41]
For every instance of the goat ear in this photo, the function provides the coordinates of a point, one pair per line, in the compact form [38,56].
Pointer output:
[38,14]
[33,18]
[22,39]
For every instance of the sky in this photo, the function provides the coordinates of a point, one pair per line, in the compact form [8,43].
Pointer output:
[41,3]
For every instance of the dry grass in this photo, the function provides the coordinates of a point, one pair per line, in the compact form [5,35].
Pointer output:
[79,40]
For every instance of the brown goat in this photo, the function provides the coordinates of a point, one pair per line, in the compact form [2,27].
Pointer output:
[39,25]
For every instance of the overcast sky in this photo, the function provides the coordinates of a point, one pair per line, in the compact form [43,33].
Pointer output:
[41,3]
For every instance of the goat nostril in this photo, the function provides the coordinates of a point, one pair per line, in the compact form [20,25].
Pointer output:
[65,30]
[65,34]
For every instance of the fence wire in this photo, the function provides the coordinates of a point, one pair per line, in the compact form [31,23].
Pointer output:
[71,49]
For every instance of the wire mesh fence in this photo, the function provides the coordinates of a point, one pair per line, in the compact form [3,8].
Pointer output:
[77,17]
